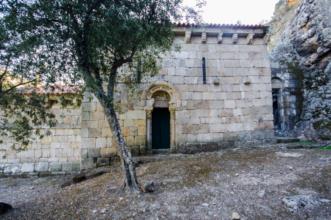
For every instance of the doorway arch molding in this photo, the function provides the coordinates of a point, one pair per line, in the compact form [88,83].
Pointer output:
[174,105]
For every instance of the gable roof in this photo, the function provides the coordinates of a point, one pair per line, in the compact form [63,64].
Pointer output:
[213,25]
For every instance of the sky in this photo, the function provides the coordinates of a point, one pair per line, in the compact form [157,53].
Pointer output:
[232,11]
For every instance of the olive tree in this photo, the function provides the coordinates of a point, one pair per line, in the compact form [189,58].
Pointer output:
[88,41]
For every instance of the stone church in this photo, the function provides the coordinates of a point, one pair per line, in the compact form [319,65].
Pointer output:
[215,91]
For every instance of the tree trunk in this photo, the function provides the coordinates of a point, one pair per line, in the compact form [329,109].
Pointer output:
[128,165]
[95,84]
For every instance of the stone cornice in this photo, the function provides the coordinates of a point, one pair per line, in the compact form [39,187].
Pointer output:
[223,30]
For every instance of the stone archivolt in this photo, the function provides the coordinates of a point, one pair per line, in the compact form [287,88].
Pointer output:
[174,98]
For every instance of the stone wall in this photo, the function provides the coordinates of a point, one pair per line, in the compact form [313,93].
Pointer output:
[96,136]
[233,107]
[214,112]
[58,153]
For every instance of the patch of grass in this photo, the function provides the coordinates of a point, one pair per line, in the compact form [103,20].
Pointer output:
[326,147]
[306,142]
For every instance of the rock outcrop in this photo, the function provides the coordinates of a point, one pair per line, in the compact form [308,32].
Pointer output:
[300,44]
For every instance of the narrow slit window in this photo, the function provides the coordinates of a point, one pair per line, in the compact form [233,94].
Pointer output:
[138,76]
[204,76]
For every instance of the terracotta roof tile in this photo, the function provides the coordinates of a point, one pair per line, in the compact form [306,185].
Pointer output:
[55,89]
[212,25]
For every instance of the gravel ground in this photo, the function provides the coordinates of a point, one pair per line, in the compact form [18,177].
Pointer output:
[268,183]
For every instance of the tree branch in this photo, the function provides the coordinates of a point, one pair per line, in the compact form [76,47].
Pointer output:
[111,82]
[20,84]
[113,73]
[5,71]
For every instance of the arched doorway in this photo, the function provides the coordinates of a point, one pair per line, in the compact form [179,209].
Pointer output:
[161,121]
[162,102]
[277,103]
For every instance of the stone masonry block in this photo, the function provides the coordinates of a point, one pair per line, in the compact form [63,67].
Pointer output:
[135,115]
[229,104]
[94,132]
[67,167]
[217,128]
[55,167]
[27,168]
[86,116]
[88,142]
[75,167]
[41,167]
[12,168]
[101,142]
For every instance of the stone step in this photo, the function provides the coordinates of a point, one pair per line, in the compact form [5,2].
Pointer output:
[285,140]
[157,157]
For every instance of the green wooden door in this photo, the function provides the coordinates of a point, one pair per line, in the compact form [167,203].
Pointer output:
[161,128]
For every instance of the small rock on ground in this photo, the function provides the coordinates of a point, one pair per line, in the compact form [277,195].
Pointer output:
[294,155]
[235,216]
[149,187]
[303,202]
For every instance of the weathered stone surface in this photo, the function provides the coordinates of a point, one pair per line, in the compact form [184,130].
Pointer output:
[230,108]
[235,216]
[299,203]
[27,168]
[293,155]
[301,56]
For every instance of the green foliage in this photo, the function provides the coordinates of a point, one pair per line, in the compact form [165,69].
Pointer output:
[326,148]
[298,75]
[306,142]
[75,40]
[84,42]
[23,116]
[322,124]
[66,100]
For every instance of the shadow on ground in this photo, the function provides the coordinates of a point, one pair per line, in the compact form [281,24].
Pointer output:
[263,183]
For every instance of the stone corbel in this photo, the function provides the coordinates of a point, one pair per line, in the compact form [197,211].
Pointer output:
[220,38]
[250,38]
[235,38]
[188,35]
[204,37]
[266,39]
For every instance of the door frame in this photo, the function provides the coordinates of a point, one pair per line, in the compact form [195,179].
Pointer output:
[168,131]
[174,105]
[149,134]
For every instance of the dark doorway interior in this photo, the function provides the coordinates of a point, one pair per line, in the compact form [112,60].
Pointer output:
[161,128]
[276,109]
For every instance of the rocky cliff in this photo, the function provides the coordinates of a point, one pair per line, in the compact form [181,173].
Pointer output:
[300,45]
[283,15]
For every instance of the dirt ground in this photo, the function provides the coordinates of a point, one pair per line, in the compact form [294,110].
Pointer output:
[265,183]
